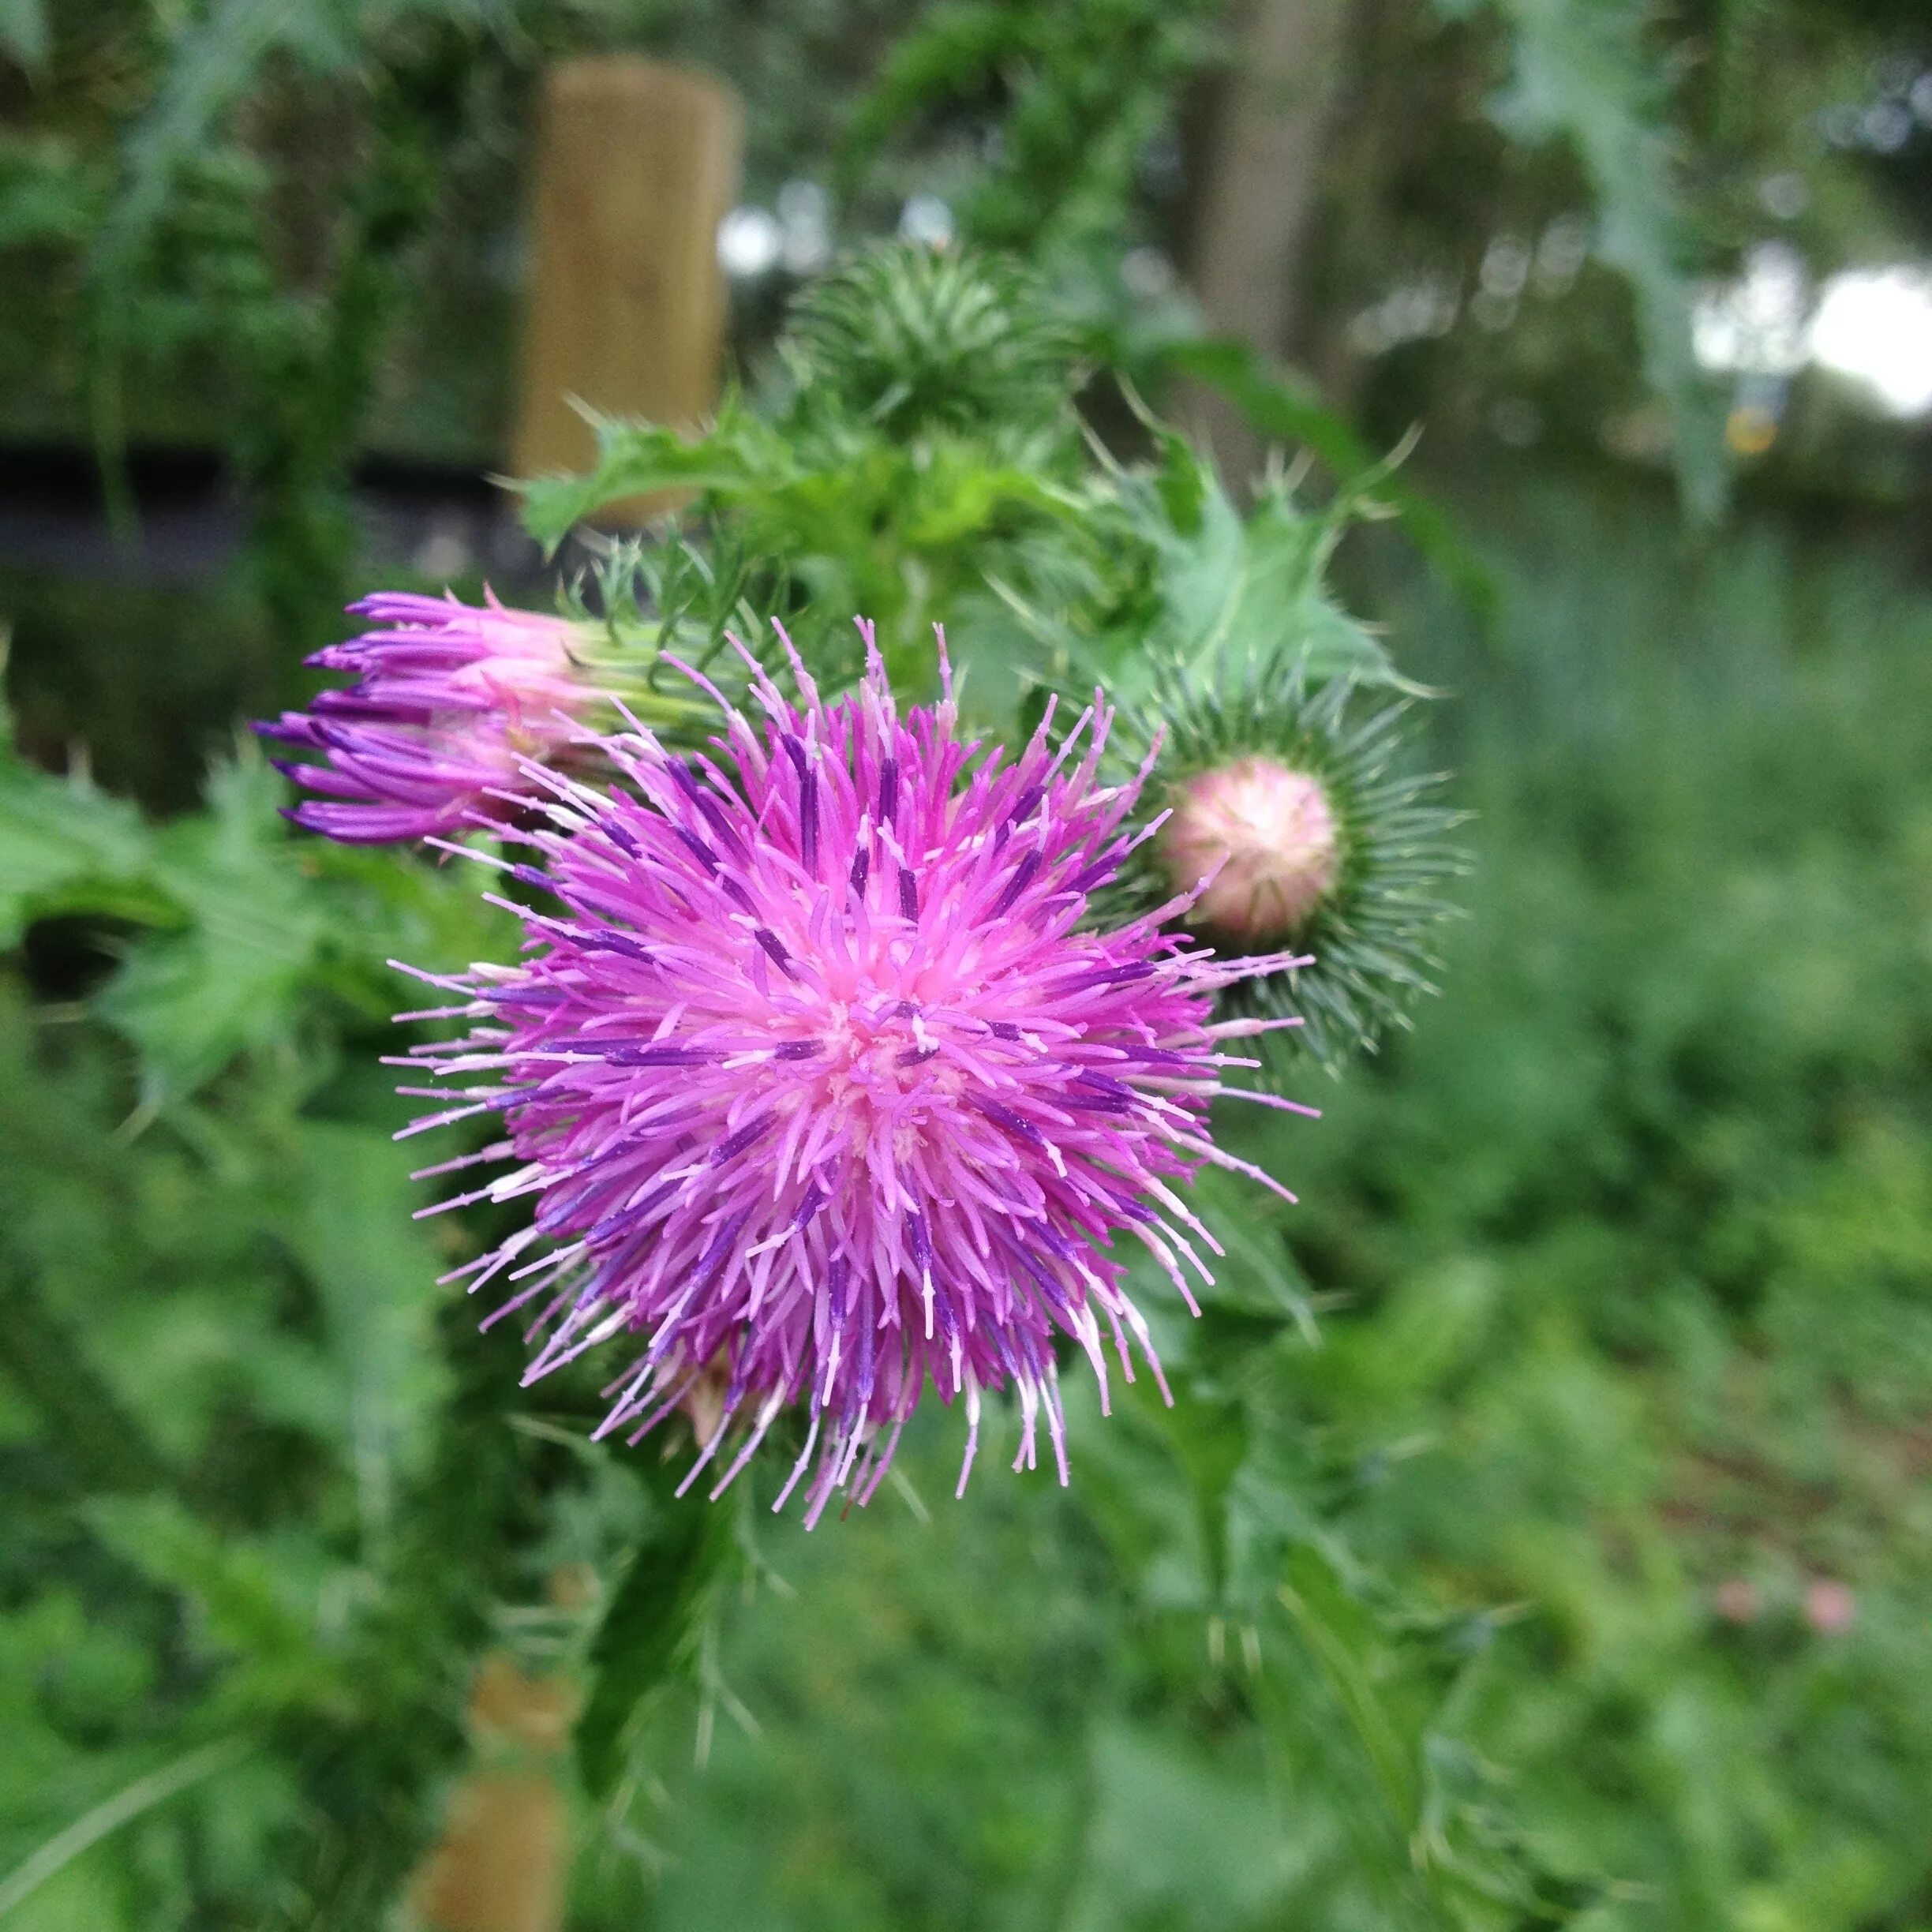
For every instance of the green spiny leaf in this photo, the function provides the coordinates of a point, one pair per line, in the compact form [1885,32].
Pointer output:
[738,453]
[255,1601]
[652,1623]
[1283,410]
[67,847]
[1235,593]
[192,1000]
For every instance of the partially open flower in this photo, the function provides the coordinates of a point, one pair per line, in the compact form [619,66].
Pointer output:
[447,701]
[1287,813]
[1261,843]
[825,1092]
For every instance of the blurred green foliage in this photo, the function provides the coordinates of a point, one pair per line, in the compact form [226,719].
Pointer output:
[1622,1260]
[288,230]
[1539,1534]
[1583,71]
[1607,1298]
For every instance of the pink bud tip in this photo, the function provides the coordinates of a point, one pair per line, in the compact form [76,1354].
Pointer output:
[1830,1606]
[1273,835]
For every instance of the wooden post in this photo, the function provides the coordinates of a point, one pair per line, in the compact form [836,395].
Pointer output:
[636,163]
[503,1861]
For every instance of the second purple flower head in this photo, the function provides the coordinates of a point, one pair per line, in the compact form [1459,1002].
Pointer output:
[447,702]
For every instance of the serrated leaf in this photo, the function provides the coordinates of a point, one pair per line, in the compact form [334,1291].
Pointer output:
[191,1000]
[381,907]
[1280,408]
[66,847]
[1235,592]
[1397,1681]
[254,1600]
[642,460]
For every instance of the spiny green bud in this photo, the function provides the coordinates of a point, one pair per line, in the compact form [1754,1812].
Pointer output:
[1289,818]
[913,340]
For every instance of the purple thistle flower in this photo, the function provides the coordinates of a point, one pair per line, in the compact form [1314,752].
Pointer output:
[818,1080]
[449,703]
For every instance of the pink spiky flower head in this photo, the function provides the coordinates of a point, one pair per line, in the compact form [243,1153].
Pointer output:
[818,1078]
[449,703]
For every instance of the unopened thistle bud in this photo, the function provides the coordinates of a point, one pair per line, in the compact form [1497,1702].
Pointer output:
[1288,820]
[1260,843]
[915,342]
